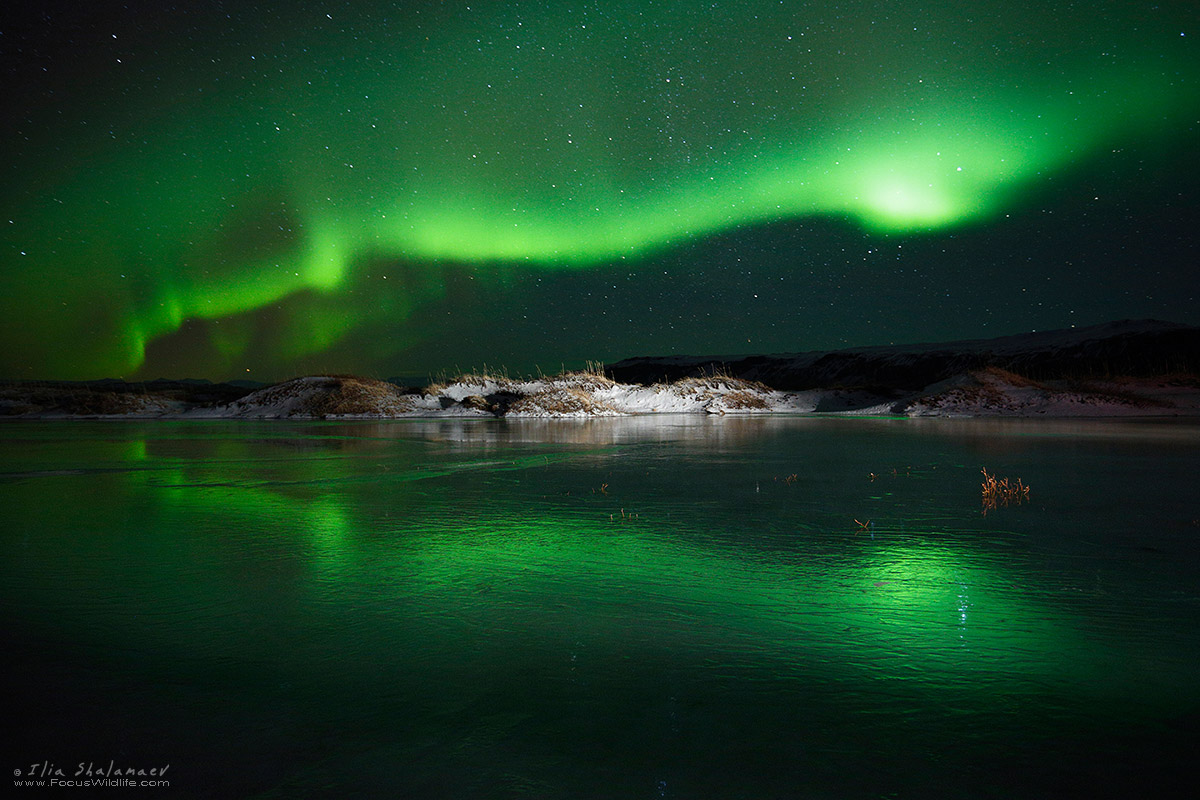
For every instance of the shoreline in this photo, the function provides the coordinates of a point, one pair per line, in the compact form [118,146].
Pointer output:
[989,393]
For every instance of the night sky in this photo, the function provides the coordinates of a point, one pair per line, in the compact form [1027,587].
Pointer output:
[259,190]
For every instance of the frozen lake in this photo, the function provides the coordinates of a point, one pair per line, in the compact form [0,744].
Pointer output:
[652,607]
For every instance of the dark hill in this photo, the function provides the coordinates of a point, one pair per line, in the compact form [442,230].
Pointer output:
[1138,348]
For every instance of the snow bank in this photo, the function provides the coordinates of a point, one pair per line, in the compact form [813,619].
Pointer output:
[570,395]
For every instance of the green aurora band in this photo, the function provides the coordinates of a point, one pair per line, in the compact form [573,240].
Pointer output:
[296,174]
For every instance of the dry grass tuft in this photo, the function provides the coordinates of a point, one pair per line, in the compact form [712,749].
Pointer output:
[349,395]
[741,399]
[559,401]
[332,395]
[495,376]
[717,371]
[1002,492]
[477,402]
[717,383]
[587,380]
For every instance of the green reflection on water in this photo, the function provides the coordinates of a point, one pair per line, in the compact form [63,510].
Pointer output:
[435,574]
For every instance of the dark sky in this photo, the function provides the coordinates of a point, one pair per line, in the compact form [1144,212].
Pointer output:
[267,189]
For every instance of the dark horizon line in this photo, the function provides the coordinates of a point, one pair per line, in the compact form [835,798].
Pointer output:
[1113,328]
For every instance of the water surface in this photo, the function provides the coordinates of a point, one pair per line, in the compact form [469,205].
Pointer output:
[657,607]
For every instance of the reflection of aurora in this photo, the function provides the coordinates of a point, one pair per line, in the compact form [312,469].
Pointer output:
[373,513]
[884,609]
[462,584]
[332,185]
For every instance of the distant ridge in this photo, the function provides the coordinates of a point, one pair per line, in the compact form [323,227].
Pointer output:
[1129,368]
[1136,348]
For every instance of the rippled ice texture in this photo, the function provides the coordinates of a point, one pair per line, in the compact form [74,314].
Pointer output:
[657,607]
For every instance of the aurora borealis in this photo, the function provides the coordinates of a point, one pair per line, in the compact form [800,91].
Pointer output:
[258,190]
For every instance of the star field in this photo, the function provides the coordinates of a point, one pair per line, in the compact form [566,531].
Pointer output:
[216,190]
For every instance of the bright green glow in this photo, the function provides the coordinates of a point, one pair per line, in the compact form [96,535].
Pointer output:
[474,534]
[519,135]
[958,161]
[911,608]
[928,608]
